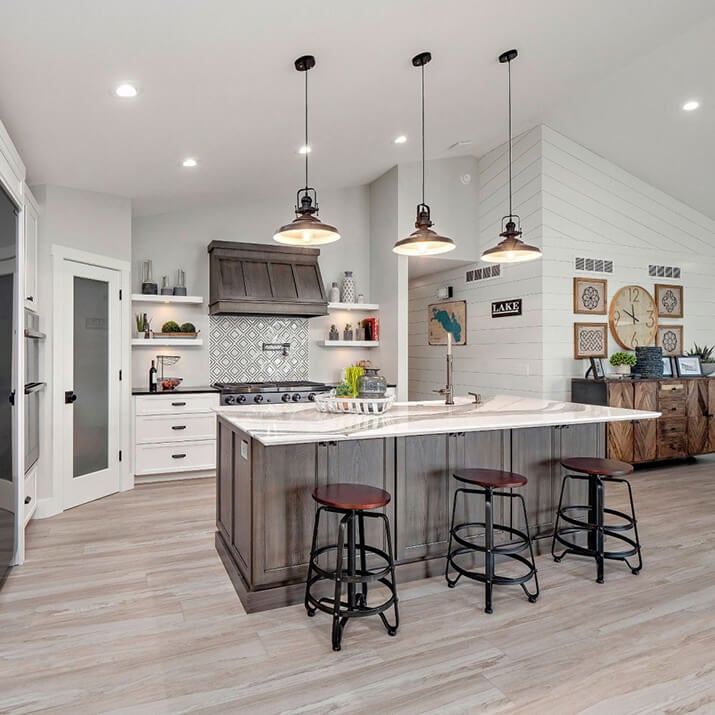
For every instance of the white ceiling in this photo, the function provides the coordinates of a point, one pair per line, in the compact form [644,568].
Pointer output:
[218,83]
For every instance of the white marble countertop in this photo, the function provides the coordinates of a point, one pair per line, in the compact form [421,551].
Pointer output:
[298,424]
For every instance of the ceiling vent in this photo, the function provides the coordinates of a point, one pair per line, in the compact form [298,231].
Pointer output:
[594,265]
[664,271]
[480,274]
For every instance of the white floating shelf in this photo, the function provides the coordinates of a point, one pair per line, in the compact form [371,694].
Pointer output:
[141,298]
[353,306]
[351,343]
[174,342]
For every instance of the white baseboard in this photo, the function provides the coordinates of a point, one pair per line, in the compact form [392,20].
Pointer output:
[47,507]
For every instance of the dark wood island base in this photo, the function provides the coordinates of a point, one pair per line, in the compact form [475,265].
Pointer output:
[265,511]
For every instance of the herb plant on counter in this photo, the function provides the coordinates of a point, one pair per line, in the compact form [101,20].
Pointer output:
[352,375]
[343,390]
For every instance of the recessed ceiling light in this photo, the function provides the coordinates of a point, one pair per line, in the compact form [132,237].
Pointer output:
[691,105]
[126,90]
[189,162]
[305,149]
[401,139]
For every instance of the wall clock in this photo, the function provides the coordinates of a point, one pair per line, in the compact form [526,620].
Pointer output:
[633,317]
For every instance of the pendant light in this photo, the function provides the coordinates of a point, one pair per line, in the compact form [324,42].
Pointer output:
[511,249]
[306,229]
[424,241]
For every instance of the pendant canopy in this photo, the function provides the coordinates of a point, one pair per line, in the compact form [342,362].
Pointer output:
[511,249]
[306,229]
[424,241]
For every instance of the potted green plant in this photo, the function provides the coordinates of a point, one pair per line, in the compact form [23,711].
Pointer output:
[623,362]
[705,353]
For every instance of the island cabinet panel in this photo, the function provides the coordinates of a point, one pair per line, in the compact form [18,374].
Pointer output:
[486,450]
[366,461]
[241,541]
[423,472]
[283,481]
[224,481]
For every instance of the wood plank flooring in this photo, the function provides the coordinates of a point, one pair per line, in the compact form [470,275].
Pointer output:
[124,607]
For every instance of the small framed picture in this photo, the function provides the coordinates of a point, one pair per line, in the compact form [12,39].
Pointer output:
[597,371]
[590,340]
[688,366]
[447,317]
[590,296]
[670,338]
[667,366]
[669,299]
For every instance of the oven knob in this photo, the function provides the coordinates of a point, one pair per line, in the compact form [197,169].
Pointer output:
[311,397]
[229,400]
[241,398]
[296,397]
[258,398]
[285,397]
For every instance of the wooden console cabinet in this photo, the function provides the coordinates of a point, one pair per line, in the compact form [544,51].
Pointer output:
[685,429]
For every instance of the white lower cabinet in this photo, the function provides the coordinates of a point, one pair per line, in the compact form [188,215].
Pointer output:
[30,494]
[174,434]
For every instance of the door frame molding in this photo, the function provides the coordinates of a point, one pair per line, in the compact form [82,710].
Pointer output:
[54,456]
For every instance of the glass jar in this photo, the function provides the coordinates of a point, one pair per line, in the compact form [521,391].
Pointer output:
[371,385]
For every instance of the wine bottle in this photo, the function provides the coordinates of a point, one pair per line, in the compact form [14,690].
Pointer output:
[152,378]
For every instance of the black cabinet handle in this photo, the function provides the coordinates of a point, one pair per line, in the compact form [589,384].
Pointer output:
[178,427]
[178,404]
[178,456]
[70,397]
[30,298]
[28,500]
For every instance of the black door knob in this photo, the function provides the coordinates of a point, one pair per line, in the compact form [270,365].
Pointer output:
[70,397]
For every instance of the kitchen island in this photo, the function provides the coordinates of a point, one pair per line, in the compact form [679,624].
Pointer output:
[270,458]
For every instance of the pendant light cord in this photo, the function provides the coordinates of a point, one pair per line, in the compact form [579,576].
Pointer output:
[423,133]
[510,204]
[306,146]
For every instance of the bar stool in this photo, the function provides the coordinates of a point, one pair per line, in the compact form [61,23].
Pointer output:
[351,502]
[490,480]
[596,472]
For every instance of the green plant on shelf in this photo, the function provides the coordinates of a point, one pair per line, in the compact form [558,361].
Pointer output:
[617,359]
[139,317]
[705,353]
[188,328]
[170,327]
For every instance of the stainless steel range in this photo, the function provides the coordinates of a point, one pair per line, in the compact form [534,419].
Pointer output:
[267,393]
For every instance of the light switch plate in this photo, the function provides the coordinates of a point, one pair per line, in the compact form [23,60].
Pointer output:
[244,449]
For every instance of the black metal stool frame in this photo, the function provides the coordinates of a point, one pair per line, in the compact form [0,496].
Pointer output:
[356,604]
[595,527]
[520,541]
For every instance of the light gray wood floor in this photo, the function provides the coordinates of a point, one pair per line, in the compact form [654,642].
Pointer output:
[123,606]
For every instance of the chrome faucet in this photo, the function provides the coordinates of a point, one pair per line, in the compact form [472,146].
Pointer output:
[448,390]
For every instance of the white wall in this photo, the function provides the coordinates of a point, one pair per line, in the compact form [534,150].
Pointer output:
[180,239]
[87,221]
[592,208]
[502,354]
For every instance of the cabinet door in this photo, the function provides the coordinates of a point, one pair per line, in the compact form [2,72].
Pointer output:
[283,481]
[533,453]
[710,446]
[31,230]
[697,411]
[620,434]
[365,461]
[224,483]
[422,487]
[645,432]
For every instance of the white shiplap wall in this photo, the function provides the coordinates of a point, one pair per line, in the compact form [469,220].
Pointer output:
[593,208]
[502,354]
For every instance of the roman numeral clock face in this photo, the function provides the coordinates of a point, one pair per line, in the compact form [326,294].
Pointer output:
[633,317]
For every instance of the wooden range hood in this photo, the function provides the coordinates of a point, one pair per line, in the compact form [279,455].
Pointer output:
[263,279]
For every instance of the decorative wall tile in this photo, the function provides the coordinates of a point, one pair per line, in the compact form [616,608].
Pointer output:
[235,348]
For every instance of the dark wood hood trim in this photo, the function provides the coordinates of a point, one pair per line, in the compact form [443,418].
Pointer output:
[258,279]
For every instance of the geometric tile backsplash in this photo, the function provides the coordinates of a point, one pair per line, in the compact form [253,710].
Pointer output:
[235,348]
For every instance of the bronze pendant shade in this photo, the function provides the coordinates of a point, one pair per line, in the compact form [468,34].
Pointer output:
[511,249]
[424,241]
[306,229]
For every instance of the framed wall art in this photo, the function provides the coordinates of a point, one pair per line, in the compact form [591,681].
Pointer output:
[667,366]
[596,370]
[669,299]
[590,340]
[450,316]
[590,296]
[689,366]
[670,338]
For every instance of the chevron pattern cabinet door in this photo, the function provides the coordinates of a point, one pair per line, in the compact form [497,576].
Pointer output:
[645,432]
[620,434]
[697,410]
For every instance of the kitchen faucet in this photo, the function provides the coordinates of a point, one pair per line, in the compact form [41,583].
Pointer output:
[448,390]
